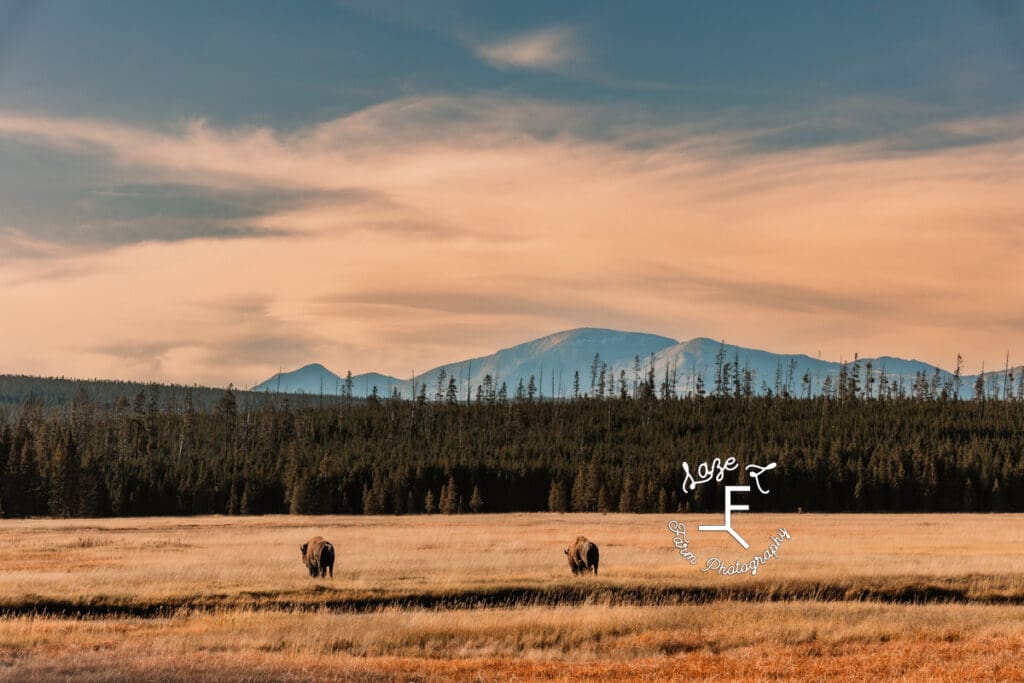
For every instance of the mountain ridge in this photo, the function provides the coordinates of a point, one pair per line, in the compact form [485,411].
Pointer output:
[680,367]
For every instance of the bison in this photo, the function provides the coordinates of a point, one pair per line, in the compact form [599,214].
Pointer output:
[318,556]
[583,556]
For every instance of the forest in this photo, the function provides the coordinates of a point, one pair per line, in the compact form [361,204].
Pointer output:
[163,454]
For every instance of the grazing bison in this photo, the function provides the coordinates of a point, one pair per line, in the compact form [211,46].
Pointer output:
[318,555]
[583,556]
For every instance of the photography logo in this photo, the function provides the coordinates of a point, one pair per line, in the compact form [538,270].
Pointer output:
[717,471]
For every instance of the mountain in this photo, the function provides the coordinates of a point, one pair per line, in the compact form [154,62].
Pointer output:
[795,374]
[315,379]
[553,361]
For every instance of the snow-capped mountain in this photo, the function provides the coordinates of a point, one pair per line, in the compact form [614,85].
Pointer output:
[627,359]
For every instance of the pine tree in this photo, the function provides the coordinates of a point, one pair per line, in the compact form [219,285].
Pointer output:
[449,503]
[442,385]
[626,497]
[556,496]
[662,501]
[721,381]
[580,496]
[476,501]
[429,505]
[64,478]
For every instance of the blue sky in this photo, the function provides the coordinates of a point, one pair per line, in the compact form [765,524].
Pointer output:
[299,63]
[274,135]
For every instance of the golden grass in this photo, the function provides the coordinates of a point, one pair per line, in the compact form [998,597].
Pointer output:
[159,559]
[723,639]
[228,599]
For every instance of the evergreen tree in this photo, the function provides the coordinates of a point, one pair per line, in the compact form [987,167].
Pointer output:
[556,496]
[626,496]
[442,385]
[476,501]
[64,478]
[721,381]
[449,503]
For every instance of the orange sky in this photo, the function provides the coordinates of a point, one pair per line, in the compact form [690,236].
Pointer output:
[411,239]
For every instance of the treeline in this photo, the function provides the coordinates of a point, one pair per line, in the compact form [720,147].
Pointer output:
[55,392]
[150,456]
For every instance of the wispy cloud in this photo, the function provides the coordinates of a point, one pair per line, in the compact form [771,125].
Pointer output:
[546,49]
[437,228]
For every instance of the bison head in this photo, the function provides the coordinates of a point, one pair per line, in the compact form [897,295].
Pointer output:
[302,549]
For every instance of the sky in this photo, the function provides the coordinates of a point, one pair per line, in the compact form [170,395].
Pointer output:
[201,192]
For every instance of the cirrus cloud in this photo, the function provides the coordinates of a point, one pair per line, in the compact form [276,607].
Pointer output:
[425,230]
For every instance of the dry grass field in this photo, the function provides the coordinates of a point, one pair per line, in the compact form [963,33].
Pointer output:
[491,597]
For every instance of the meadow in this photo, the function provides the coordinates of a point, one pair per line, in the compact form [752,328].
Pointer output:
[491,597]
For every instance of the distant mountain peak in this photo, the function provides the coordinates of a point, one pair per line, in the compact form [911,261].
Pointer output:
[554,360]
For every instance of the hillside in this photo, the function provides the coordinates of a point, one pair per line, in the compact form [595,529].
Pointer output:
[627,359]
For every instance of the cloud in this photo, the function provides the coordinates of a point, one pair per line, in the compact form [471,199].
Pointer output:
[238,336]
[434,229]
[15,243]
[545,49]
[110,219]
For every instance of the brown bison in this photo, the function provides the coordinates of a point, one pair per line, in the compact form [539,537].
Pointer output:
[318,555]
[583,556]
